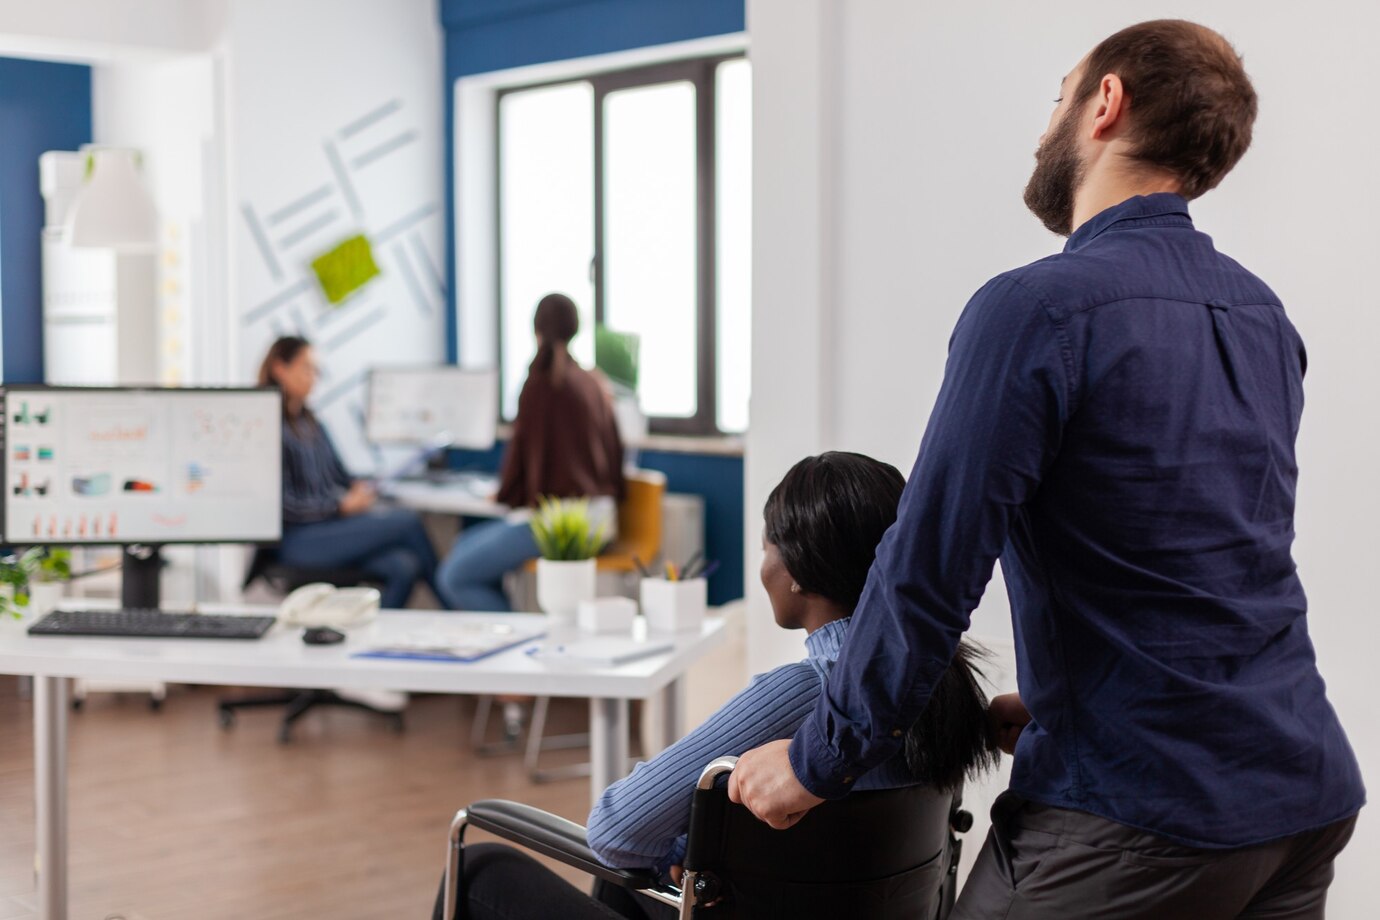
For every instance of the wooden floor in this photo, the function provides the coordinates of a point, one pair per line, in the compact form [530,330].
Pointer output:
[173,817]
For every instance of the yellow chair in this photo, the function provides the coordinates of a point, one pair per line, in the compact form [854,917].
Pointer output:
[640,523]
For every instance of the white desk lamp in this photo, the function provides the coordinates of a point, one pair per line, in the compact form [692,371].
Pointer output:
[113,210]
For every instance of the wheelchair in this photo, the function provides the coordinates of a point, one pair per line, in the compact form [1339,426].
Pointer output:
[877,854]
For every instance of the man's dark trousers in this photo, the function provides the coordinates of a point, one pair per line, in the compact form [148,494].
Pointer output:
[1045,863]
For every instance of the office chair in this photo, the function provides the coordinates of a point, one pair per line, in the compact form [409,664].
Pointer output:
[883,854]
[286,578]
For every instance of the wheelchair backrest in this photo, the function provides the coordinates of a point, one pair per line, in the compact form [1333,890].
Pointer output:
[875,854]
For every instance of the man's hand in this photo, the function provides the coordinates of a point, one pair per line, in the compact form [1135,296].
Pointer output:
[764,781]
[1007,715]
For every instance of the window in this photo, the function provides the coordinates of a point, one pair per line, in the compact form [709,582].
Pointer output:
[631,192]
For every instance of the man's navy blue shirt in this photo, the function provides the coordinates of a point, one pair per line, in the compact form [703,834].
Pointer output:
[1117,424]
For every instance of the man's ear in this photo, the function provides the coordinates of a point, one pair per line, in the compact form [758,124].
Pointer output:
[1111,106]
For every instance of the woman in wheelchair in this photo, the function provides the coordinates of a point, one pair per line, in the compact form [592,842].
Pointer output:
[821,529]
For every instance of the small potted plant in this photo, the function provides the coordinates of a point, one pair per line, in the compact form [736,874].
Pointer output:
[32,581]
[568,546]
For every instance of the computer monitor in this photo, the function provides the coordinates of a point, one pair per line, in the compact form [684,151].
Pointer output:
[431,405]
[140,466]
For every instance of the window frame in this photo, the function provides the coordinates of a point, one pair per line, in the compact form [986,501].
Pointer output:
[701,73]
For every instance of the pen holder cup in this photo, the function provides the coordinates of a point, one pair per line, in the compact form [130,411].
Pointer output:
[674,606]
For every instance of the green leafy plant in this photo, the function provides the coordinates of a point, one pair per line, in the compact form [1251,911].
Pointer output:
[38,563]
[562,530]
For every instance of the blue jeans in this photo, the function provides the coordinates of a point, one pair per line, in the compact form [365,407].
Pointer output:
[471,576]
[388,543]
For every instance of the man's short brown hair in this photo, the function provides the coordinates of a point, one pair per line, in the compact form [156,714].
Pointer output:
[1192,105]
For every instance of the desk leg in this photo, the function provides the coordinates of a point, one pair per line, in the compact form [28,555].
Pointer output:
[671,701]
[51,702]
[608,744]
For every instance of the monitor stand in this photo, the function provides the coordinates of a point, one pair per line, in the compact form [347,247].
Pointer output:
[142,567]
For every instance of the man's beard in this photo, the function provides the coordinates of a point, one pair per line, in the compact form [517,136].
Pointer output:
[1057,176]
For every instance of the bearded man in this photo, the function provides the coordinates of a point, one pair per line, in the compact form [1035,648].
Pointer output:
[1117,425]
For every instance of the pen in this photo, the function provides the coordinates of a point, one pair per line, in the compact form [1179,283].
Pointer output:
[688,570]
[708,570]
[641,569]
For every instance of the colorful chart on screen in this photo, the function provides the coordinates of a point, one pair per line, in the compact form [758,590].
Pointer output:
[89,465]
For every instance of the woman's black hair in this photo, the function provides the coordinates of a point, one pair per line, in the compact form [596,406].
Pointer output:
[825,519]
[952,738]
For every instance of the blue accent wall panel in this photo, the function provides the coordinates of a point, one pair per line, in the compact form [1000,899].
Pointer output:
[43,106]
[718,480]
[486,35]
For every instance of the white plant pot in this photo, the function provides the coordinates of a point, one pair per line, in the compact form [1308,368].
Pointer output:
[44,596]
[561,586]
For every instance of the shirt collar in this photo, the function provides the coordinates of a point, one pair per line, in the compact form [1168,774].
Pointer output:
[826,641]
[1160,204]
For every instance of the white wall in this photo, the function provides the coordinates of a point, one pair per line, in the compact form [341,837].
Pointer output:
[893,140]
[334,119]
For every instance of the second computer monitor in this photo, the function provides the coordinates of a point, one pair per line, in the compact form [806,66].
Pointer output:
[426,405]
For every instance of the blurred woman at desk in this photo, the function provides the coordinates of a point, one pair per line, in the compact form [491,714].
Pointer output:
[565,444]
[329,518]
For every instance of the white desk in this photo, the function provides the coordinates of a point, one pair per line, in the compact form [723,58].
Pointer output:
[468,497]
[281,659]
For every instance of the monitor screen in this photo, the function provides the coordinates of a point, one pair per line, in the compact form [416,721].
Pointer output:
[118,465]
[426,405]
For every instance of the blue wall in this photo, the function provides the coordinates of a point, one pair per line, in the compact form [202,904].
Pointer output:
[719,481]
[488,35]
[43,107]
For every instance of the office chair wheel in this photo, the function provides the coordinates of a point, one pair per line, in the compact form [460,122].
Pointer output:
[398,724]
[227,718]
[76,705]
[155,704]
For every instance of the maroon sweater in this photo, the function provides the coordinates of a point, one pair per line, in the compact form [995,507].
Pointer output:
[565,443]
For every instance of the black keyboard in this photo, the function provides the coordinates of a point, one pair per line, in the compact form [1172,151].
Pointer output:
[150,624]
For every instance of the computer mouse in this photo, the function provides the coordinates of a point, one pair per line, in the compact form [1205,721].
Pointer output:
[322,635]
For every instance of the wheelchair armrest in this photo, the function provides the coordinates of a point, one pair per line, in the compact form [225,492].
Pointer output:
[553,836]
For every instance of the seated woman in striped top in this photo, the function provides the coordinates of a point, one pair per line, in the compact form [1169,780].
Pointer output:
[822,526]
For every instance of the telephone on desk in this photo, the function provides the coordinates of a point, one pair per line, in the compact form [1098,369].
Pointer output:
[322,605]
